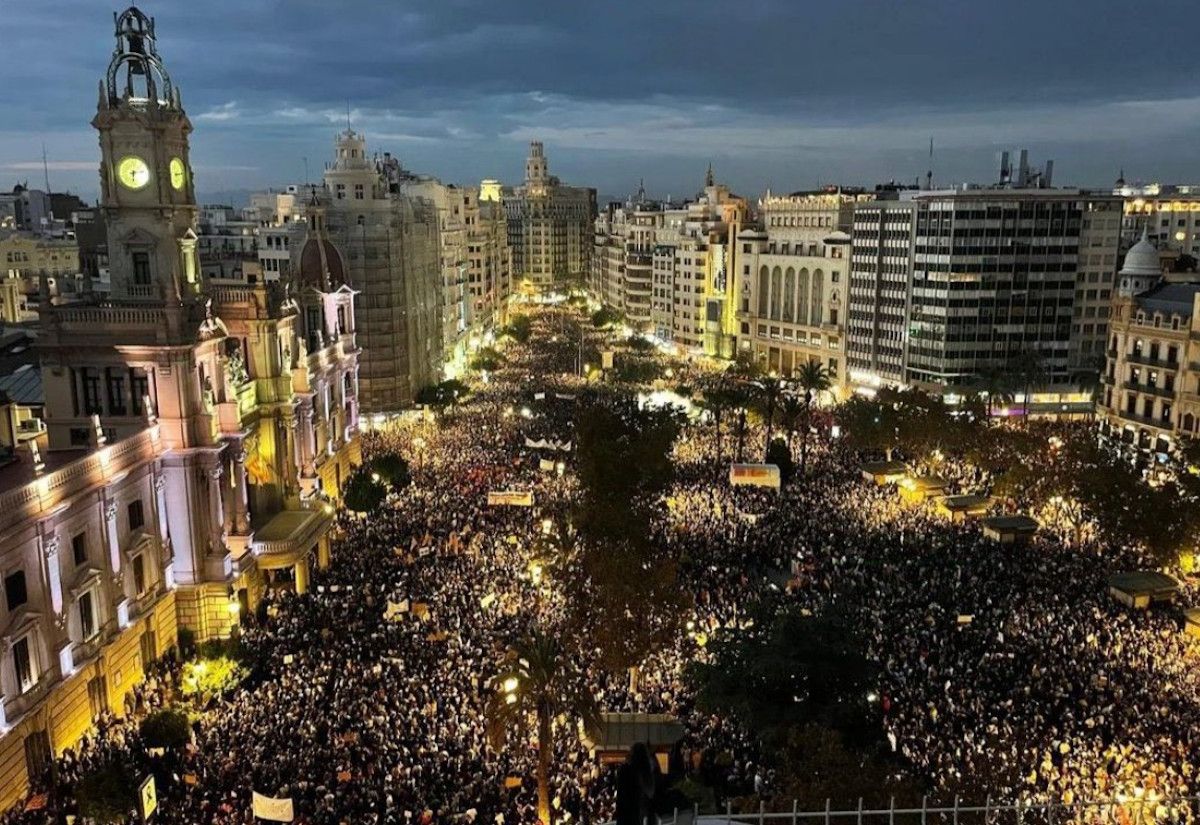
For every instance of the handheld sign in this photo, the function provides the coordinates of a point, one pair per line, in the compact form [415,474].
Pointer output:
[147,798]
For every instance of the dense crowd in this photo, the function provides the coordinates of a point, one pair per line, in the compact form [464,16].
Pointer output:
[1006,672]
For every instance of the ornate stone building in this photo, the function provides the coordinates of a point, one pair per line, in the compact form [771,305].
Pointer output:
[549,225]
[391,251]
[196,433]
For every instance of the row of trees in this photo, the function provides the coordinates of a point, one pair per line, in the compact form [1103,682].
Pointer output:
[788,403]
[1060,471]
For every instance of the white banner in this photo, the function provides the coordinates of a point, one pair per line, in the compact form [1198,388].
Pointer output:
[759,475]
[564,397]
[546,465]
[276,810]
[606,360]
[539,396]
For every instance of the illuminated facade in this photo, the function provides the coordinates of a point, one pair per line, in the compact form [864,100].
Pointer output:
[947,285]
[1169,214]
[795,273]
[1150,393]
[549,225]
[670,269]
[195,431]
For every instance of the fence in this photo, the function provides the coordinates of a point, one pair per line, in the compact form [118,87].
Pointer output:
[1120,811]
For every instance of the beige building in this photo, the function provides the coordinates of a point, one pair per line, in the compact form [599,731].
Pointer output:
[26,257]
[195,433]
[795,273]
[489,257]
[1169,215]
[671,269]
[392,257]
[549,226]
[1150,395]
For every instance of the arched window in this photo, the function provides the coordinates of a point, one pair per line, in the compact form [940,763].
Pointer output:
[764,279]
[776,285]
[802,296]
[818,289]
[789,294]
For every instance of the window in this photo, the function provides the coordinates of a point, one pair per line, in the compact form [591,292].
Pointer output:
[141,268]
[15,593]
[91,391]
[23,664]
[136,516]
[139,573]
[116,391]
[87,616]
[139,384]
[79,548]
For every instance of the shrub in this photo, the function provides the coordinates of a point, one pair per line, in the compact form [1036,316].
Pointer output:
[205,678]
[166,728]
[362,493]
[108,794]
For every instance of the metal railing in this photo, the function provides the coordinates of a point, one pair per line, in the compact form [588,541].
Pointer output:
[1121,810]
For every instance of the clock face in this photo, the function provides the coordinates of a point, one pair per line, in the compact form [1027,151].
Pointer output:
[133,173]
[178,173]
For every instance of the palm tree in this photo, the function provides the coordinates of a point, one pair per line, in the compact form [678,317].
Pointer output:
[769,390]
[791,416]
[539,681]
[1030,369]
[716,400]
[996,384]
[814,379]
[739,398]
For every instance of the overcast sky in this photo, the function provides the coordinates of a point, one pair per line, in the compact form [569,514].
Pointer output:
[775,93]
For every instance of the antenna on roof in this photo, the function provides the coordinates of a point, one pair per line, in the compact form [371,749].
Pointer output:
[306,168]
[929,174]
[347,114]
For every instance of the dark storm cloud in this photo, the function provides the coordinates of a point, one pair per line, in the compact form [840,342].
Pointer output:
[779,93]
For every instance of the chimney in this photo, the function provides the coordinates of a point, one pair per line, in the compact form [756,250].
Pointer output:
[1005,171]
[1048,175]
[1023,170]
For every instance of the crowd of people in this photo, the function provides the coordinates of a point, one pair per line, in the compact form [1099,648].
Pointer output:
[1006,672]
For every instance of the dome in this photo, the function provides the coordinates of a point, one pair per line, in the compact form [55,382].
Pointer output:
[321,265]
[1142,259]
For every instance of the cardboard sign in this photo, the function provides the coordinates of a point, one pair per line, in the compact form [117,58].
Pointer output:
[276,810]
[510,498]
[756,475]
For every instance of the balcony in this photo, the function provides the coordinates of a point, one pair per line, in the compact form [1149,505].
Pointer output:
[1148,420]
[1160,392]
[1147,361]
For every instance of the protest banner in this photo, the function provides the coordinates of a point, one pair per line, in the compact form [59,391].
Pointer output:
[758,475]
[510,498]
[276,810]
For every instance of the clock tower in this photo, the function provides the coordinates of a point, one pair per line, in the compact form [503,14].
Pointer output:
[145,177]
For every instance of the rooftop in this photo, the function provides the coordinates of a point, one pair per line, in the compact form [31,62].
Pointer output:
[1169,298]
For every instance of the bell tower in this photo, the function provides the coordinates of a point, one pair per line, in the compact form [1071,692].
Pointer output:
[145,176]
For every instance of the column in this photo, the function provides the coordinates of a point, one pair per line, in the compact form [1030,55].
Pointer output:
[215,512]
[240,491]
[300,571]
[323,552]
